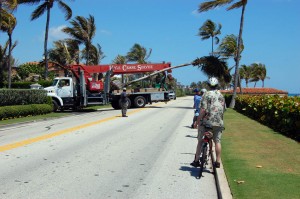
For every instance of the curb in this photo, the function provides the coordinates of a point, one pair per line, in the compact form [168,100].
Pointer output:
[222,185]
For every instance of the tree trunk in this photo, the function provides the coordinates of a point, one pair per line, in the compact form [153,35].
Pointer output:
[46,42]
[8,60]
[232,103]
[212,46]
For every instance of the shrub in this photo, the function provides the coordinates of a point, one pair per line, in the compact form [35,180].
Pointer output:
[10,97]
[10,112]
[279,113]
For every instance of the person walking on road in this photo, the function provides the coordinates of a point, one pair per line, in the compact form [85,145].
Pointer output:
[212,108]
[124,102]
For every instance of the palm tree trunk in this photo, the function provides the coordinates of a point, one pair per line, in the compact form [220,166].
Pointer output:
[212,46]
[232,103]
[46,42]
[0,13]
[9,63]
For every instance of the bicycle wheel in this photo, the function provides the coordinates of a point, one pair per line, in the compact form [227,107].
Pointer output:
[203,159]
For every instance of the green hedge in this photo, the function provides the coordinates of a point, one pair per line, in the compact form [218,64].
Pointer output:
[280,113]
[26,85]
[9,97]
[10,112]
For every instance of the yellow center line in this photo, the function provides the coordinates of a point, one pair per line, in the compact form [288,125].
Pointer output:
[57,133]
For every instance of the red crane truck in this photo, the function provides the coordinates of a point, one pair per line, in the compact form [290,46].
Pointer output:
[82,89]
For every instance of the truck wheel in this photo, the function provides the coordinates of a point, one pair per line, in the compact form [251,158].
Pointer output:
[129,103]
[55,106]
[115,105]
[139,102]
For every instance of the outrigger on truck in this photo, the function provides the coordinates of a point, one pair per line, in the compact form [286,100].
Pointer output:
[83,89]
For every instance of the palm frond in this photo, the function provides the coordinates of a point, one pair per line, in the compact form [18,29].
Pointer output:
[40,10]
[205,6]
[66,9]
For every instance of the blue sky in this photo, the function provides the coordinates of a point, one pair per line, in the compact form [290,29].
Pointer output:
[169,27]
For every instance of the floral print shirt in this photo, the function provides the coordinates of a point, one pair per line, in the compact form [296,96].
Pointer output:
[214,103]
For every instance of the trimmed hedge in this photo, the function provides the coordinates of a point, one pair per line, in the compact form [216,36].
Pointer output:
[11,112]
[9,97]
[280,113]
[26,85]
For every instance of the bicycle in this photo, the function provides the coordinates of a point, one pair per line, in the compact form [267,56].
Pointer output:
[205,153]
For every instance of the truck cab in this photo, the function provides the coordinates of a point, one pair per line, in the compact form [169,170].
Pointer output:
[62,92]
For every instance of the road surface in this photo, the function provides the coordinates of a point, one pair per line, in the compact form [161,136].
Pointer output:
[102,155]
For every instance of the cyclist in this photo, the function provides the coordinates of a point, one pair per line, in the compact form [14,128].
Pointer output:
[212,108]
[197,99]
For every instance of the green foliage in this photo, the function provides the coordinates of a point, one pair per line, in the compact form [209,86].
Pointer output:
[180,92]
[25,69]
[26,85]
[10,112]
[280,113]
[9,97]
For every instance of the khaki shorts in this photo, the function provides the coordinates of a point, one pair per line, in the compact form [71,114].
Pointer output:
[216,130]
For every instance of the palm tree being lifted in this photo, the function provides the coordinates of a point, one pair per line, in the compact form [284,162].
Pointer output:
[210,30]
[205,6]
[39,11]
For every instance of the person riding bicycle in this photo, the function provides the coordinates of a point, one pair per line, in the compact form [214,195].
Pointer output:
[197,99]
[212,108]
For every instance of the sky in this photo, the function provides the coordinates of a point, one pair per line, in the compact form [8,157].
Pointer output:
[271,34]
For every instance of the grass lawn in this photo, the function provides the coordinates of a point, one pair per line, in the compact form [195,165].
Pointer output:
[267,162]
[51,115]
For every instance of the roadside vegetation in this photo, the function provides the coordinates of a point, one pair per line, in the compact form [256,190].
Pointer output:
[259,162]
[32,118]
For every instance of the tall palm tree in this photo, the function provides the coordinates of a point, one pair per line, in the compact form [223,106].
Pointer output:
[120,59]
[83,31]
[3,62]
[228,47]
[5,7]
[259,72]
[64,52]
[8,25]
[138,54]
[46,6]
[246,73]
[205,6]
[210,30]
[95,55]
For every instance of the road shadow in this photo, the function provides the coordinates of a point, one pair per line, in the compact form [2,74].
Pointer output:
[194,171]
[189,127]
[190,136]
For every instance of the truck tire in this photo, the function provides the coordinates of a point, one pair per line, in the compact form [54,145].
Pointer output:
[115,105]
[129,103]
[55,106]
[139,102]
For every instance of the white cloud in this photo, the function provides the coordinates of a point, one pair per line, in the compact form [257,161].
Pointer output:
[195,13]
[105,32]
[56,33]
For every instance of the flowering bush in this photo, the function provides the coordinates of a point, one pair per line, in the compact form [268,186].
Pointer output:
[281,113]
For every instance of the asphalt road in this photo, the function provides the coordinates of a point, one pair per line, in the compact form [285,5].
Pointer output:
[102,155]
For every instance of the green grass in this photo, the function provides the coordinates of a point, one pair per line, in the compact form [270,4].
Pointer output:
[247,144]
[51,115]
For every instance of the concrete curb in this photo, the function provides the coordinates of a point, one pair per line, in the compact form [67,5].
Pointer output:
[221,180]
